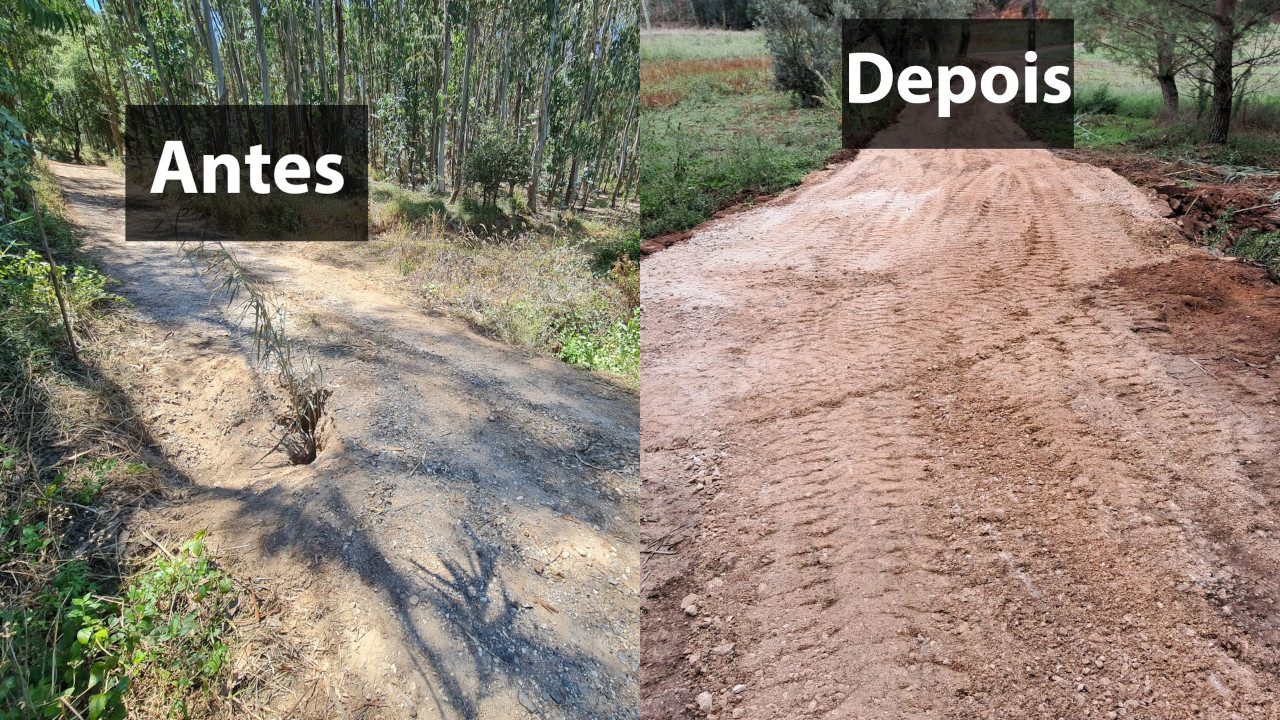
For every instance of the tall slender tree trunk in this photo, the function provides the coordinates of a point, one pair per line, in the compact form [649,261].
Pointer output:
[584,109]
[544,108]
[506,75]
[1223,59]
[114,117]
[342,53]
[460,152]
[237,70]
[321,59]
[622,159]
[631,176]
[214,55]
[441,124]
[255,7]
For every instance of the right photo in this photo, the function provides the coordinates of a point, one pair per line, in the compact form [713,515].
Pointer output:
[960,359]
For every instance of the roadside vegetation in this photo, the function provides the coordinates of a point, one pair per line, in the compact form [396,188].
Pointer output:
[86,632]
[1118,109]
[566,284]
[715,132]
[1225,196]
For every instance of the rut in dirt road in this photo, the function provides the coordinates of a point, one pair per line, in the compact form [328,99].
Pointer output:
[463,547]
[904,448]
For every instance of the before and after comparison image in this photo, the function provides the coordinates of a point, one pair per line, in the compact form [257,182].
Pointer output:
[639,359]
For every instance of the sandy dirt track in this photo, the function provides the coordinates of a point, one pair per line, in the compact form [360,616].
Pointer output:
[464,545]
[905,456]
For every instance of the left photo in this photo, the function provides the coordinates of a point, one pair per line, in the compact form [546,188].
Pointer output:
[319,359]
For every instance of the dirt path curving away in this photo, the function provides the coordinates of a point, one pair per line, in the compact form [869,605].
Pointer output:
[914,446]
[463,547]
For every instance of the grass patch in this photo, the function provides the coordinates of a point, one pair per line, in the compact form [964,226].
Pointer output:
[1177,142]
[690,44]
[714,132]
[1262,248]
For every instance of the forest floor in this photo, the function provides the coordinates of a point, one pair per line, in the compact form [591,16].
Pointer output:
[463,547]
[958,434]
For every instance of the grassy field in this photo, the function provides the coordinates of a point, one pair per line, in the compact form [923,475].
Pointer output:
[1139,96]
[714,131]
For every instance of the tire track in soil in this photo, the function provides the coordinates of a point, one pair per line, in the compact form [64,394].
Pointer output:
[917,464]
[463,547]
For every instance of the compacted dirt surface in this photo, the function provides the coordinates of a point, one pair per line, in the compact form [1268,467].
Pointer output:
[962,434]
[464,546]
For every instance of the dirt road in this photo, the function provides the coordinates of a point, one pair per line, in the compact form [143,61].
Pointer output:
[463,547]
[914,446]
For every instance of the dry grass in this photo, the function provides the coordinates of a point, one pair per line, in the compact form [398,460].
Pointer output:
[665,83]
[520,288]
[660,71]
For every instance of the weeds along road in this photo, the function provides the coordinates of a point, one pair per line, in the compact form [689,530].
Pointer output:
[904,456]
[463,547]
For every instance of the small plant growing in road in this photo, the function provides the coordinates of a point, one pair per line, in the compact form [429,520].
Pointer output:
[299,376]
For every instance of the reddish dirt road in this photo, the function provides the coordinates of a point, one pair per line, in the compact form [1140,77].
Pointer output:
[919,444]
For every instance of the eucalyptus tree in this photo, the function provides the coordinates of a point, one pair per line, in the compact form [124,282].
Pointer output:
[558,76]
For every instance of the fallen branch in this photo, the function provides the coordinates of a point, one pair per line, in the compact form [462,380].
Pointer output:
[1206,372]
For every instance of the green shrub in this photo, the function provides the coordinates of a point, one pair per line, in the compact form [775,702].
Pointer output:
[493,160]
[687,174]
[416,207]
[606,253]
[1098,102]
[614,348]
[30,321]
[1262,248]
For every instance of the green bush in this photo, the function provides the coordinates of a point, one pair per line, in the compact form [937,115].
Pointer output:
[1262,248]
[416,207]
[614,348]
[685,178]
[1098,102]
[606,252]
[30,321]
[493,160]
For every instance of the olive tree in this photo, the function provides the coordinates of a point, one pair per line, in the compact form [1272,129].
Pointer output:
[803,36]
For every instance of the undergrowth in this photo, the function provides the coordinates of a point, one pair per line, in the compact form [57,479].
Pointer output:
[77,648]
[1173,142]
[1262,248]
[81,634]
[567,285]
